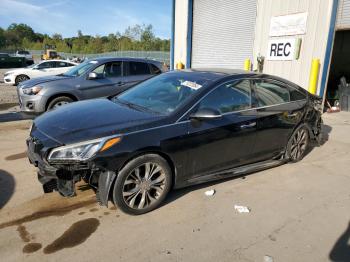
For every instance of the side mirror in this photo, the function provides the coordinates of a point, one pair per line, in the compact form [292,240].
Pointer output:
[92,76]
[206,114]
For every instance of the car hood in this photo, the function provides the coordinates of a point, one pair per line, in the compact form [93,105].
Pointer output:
[91,119]
[41,80]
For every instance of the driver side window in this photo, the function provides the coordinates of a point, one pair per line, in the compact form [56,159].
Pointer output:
[229,97]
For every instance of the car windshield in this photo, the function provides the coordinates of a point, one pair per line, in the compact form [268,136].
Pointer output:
[80,69]
[33,65]
[163,94]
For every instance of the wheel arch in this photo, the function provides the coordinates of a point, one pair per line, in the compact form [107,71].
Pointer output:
[73,97]
[106,192]
[21,75]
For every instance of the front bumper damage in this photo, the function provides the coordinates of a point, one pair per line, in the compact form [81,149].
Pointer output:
[62,177]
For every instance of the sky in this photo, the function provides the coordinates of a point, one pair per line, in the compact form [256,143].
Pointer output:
[92,17]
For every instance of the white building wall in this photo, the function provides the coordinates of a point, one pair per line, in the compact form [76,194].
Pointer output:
[313,42]
[180,41]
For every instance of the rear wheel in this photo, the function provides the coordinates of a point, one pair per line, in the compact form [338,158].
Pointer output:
[298,144]
[58,102]
[142,185]
[20,79]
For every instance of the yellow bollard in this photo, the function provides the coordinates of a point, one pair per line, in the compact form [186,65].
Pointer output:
[180,65]
[315,69]
[247,64]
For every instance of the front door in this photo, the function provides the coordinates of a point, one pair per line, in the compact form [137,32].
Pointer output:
[109,81]
[226,142]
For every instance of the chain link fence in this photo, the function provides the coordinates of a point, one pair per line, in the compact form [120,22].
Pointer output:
[155,55]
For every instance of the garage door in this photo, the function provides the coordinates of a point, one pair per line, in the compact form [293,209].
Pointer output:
[223,32]
[343,16]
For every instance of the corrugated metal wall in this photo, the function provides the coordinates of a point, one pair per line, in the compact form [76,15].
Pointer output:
[343,15]
[313,42]
[223,32]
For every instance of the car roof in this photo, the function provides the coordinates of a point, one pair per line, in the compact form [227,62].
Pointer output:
[58,60]
[215,74]
[127,59]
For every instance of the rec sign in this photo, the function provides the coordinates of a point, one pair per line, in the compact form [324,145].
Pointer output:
[281,49]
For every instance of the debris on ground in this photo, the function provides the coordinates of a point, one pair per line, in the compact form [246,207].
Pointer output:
[210,192]
[268,258]
[242,209]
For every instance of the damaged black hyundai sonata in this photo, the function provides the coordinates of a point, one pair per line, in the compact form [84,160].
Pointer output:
[176,129]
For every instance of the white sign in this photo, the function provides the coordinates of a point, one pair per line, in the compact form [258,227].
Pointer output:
[281,49]
[288,25]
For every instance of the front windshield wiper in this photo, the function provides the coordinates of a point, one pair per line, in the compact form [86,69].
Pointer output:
[135,106]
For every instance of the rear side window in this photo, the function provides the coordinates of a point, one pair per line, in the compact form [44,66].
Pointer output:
[229,97]
[271,94]
[155,69]
[138,68]
[62,64]
[46,65]
[296,95]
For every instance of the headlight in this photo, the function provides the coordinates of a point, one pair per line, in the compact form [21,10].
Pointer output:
[82,151]
[32,90]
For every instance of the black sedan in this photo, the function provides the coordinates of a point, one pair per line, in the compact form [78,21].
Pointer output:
[176,129]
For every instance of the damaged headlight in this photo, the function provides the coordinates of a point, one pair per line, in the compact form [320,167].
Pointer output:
[82,151]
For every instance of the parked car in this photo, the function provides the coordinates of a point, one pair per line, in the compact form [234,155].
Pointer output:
[44,68]
[27,55]
[7,61]
[96,78]
[174,130]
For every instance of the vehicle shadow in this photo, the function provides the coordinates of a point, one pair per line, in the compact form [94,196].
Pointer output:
[14,116]
[7,187]
[341,249]
[326,130]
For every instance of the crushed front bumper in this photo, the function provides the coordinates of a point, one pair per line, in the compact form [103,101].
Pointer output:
[55,177]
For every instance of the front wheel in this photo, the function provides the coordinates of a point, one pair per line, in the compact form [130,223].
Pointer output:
[20,79]
[58,102]
[142,185]
[298,144]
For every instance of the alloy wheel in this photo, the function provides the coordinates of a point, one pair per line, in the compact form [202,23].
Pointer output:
[299,144]
[144,185]
[59,104]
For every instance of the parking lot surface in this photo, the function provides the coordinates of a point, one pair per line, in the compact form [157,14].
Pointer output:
[298,212]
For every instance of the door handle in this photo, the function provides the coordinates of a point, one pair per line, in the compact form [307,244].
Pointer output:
[253,124]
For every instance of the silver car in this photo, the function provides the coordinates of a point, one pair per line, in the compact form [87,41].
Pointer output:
[101,77]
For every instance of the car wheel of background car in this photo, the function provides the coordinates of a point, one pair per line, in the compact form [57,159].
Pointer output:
[58,102]
[142,184]
[20,79]
[298,144]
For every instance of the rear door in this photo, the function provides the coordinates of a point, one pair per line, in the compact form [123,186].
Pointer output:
[135,72]
[218,144]
[62,67]
[280,108]
[109,81]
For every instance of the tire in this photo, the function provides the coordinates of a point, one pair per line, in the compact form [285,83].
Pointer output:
[59,101]
[21,78]
[133,193]
[298,144]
